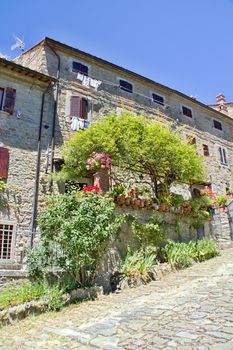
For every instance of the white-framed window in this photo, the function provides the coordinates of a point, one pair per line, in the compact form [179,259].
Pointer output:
[158,99]
[7,240]
[187,111]
[222,154]
[125,85]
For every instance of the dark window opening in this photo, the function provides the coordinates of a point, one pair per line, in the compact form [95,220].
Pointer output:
[187,112]
[217,125]
[158,99]
[124,85]
[206,150]
[1,98]
[78,67]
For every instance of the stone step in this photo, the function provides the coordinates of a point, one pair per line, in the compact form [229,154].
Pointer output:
[14,273]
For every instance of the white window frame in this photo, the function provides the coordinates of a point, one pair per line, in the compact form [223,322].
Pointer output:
[12,253]
[181,111]
[157,103]
[226,155]
[128,81]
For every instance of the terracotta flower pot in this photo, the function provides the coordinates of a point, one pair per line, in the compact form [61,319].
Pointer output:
[121,199]
[164,207]
[127,200]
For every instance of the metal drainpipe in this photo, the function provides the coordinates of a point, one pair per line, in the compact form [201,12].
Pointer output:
[36,187]
[54,114]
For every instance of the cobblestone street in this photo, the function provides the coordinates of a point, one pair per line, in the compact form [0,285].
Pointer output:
[190,309]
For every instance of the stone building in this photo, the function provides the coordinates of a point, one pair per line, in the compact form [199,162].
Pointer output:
[87,88]
[90,87]
[24,99]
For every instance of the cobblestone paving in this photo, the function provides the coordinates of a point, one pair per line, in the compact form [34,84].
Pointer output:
[190,309]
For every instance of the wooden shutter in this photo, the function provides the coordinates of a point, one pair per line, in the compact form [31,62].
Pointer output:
[4,162]
[75,106]
[9,104]
[84,108]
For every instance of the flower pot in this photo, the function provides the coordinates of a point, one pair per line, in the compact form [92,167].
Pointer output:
[127,200]
[164,207]
[222,209]
[142,203]
[137,202]
[121,199]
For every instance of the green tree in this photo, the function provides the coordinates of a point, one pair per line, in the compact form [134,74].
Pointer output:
[136,144]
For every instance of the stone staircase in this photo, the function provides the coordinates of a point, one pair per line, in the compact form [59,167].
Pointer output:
[221,230]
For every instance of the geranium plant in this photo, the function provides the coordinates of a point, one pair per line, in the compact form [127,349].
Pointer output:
[98,161]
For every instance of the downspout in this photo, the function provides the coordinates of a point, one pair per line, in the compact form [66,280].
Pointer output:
[54,114]
[36,187]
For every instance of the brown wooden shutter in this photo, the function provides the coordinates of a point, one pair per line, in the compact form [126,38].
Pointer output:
[9,100]
[84,108]
[4,162]
[75,106]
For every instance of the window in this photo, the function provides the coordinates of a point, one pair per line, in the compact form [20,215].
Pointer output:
[79,107]
[1,98]
[78,67]
[6,241]
[124,85]
[191,140]
[217,125]
[4,162]
[187,111]
[7,100]
[206,150]
[222,155]
[158,99]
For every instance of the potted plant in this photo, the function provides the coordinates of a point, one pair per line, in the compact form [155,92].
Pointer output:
[221,202]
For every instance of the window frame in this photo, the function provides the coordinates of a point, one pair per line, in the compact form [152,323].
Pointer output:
[223,155]
[2,99]
[89,106]
[83,64]
[12,246]
[157,102]
[189,108]
[218,122]
[119,79]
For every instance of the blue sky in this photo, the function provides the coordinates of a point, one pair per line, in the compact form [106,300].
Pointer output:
[184,44]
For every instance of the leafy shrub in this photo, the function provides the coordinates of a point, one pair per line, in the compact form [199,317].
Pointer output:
[137,263]
[151,233]
[182,254]
[221,200]
[73,229]
[18,294]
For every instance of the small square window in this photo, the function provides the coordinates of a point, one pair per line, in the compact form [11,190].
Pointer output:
[206,150]
[78,67]
[126,86]
[187,112]
[158,99]
[191,140]
[217,125]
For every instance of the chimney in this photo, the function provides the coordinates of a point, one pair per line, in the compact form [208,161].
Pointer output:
[221,102]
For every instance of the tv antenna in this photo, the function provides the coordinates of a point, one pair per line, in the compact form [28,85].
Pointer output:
[19,44]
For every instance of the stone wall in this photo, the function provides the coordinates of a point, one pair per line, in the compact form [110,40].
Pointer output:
[20,136]
[178,228]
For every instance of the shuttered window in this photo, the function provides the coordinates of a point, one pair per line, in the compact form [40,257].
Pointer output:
[217,125]
[4,162]
[206,150]
[78,67]
[126,86]
[9,103]
[79,107]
